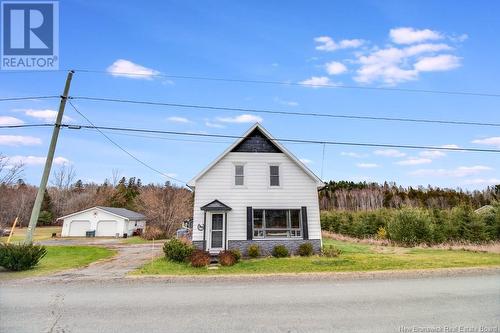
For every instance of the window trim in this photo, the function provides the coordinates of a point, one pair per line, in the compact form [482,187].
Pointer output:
[280,177]
[235,164]
[289,230]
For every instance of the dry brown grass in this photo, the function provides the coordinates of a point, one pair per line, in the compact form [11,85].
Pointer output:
[386,246]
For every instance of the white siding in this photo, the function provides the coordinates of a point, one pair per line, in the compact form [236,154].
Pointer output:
[297,189]
[96,216]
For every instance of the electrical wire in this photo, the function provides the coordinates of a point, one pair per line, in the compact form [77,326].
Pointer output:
[119,146]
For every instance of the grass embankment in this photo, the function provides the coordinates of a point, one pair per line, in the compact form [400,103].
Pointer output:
[41,233]
[60,258]
[354,258]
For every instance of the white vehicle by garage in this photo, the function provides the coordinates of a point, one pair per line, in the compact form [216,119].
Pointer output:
[105,221]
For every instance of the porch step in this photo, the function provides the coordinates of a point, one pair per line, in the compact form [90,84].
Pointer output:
[214,259]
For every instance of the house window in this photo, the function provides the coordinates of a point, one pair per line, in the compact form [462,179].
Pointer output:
[274,175]
[239,175]
[277,223]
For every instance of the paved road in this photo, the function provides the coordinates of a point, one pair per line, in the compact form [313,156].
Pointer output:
[363,305]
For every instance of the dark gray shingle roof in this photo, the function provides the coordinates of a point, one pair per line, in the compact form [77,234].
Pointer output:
[131,215]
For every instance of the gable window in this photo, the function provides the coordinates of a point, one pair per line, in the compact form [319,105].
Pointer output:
[277,223]
[274,175]
[239,175]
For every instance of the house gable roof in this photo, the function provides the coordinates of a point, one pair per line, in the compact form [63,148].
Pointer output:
[121,212]
[216,205]
[264,141]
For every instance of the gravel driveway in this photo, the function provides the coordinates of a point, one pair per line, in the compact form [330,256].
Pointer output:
[128,258]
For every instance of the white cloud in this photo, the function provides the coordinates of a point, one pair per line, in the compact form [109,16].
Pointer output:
[176,119]
[213,125]
[462,171]
[19,140]
[425,48]
[335,68]
[389,153]
[285,102]
[367,165]
[6,121]
[126,68]
[316,81]
[442,62]
[36,160]
[305,160]
[244,118]
[408,35]
[450,146]
[493,141]
[414,161]
[326,43]
[482,181]
[432,153]
[352,154]
[43,114]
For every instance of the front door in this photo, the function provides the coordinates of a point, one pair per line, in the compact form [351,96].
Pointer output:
[216,241]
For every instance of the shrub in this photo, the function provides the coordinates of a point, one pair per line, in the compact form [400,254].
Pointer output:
[20,257]
[227,258]
[199,258]
[280,251]
[381,233]
[305,250]
[330,251]
[253,251]
[177,250]
[152,232]
[236,253]
[410,226]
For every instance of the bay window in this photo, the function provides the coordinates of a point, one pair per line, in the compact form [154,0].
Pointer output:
[277,223]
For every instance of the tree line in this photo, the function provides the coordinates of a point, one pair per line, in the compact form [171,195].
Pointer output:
[362,196]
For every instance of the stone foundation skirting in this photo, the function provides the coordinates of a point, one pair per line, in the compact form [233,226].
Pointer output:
[267,245]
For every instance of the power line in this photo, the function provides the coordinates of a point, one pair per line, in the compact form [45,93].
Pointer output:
[8,99]
[118,146]
[25,125]
[328,115]
[322,142]
[286,83]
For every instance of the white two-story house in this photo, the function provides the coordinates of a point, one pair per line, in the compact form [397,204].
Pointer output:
[256,192]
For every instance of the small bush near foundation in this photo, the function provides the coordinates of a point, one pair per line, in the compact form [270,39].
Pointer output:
[177,250]
[20,257]
[236,253]
[305,250]
[199,258]
[253,251]
[227,258]
[330,251]
[280,251]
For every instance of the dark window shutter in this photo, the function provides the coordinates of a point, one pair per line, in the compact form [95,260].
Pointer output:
[249,223]
[305,229]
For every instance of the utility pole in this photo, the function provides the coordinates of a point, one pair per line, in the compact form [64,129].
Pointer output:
[48,162]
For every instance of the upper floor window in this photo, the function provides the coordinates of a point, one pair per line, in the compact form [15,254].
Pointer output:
[239,175]
[274,175]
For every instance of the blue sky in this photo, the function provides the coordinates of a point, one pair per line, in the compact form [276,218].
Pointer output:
[412,44]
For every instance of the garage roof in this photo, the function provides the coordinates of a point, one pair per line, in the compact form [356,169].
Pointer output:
[122,212]
[129,214]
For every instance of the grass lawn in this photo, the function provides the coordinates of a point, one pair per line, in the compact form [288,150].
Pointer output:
[354,257]
[60,258]
[41,233]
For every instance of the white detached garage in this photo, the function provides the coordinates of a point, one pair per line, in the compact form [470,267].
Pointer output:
[105,221]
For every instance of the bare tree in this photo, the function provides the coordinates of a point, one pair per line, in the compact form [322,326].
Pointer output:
[115,176]
[63,177]
[10,172]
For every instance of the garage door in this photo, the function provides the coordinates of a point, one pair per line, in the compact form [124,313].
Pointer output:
[78,228]
[106,228]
